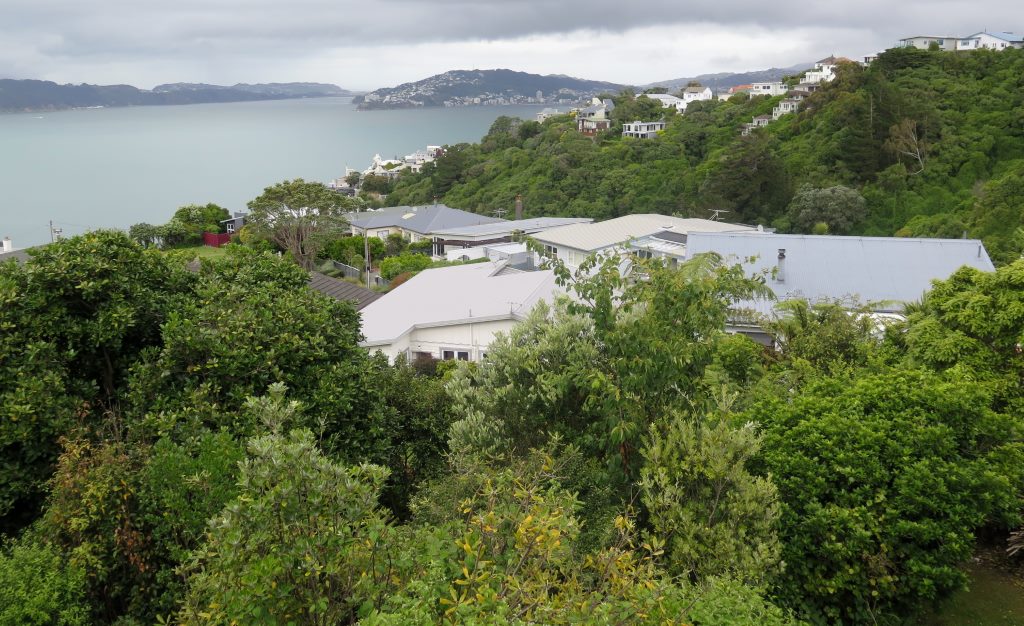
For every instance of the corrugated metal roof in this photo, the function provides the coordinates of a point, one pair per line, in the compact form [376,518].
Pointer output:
[421,219]
[338,289]
[531,225]
[885,270]
[453,295]
[600,235]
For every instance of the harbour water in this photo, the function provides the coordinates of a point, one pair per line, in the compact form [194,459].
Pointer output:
[115,167]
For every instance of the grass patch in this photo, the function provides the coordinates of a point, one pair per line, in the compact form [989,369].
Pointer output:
[995,597]
[200,252]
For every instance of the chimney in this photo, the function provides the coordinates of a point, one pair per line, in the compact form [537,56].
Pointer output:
[519,206]
[8,245]
[780,267]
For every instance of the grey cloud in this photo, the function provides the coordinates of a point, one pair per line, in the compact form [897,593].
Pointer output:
[190,30]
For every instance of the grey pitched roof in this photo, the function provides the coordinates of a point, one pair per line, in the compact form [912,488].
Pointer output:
[342,290]
[17,255]
[888,271]
[421,219]
[530,225]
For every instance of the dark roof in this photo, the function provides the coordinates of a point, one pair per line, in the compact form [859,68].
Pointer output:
[342,290]
[17,255]
[421,219]
[668,235]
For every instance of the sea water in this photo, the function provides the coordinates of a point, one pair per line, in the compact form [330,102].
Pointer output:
[114,167]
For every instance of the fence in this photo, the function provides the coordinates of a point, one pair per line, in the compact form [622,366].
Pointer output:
[347,270]
[216,240]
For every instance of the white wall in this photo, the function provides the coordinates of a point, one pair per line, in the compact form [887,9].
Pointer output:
[470,337]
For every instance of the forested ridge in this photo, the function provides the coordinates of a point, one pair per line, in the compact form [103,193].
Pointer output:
[209,445]
[932,141]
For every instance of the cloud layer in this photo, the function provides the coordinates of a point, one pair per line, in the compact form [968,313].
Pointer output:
[372,43]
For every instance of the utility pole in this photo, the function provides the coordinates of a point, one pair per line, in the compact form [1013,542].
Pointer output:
[55,233]
[366,247]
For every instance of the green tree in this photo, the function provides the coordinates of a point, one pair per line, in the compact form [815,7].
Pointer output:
[304,542]
[840,208]
[998,215]
[300,217]
[713,516]
[39,588]
[405,262]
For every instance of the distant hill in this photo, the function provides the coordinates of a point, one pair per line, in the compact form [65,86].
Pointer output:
[469,87]
[724,80]
[40,95]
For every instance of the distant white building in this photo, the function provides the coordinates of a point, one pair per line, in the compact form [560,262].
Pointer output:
[453,313]
[696,93]
[643,130]
[824,70]
[785,107]
[990,41]
[768,89]
[924,42]
[545,113]
[668,101]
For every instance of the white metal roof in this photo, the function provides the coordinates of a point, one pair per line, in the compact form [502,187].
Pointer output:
[888,271]
[531,225]
[454,295]
[601,235]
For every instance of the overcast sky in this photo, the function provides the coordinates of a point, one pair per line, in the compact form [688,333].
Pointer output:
[365,44]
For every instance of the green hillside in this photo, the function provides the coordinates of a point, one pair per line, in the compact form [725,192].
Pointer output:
[933,141]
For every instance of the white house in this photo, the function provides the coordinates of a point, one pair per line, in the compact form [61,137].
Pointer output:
[824,70]
[924,42]
[453,313]
[990,41]
[695,93]
[768,89]
[596,117]
[389,168]
[785,107]
[668,101]
[573,244]
[643,130]
[547,112]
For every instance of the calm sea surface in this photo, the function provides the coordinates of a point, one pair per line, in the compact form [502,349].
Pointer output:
[114,167]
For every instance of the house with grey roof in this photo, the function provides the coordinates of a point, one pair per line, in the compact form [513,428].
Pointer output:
[990,41]
[596,117]
[883,273]
[449,239]
[643,130]
[924,42]
[414,223]
[574,243]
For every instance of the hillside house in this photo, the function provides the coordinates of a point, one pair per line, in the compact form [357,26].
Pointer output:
[573,244]
[732,91]
[924,42]
[643,130]
[668,101]
[546,113]
[235,222]
[990,41]
[785,107]
[882,272]
[414,223]
[824,70]
[453,313]
[596,117]
[695,93]
[768,89]
[447,240]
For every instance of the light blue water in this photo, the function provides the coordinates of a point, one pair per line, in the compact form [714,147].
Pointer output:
[114,167]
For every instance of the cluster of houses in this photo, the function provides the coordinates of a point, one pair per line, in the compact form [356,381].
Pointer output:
[389,168]
[978,41]
[455,312]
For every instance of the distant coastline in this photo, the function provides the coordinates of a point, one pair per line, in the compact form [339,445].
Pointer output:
[32,96]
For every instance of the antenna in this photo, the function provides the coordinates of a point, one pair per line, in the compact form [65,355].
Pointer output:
[500,212]
[716,214]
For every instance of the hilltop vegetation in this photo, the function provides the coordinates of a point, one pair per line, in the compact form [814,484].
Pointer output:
[933,142]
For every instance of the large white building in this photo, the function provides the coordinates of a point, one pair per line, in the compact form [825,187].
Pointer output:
[990,41]
[453,313]
[668,101]
[924,42]
[768,89]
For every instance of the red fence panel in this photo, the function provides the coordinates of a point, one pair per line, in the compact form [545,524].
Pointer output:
[216,240]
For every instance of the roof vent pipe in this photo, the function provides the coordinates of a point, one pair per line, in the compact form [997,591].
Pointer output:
[519,206]
[780,266]
[8,245]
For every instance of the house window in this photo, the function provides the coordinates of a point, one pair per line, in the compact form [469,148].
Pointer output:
[551,251]
[383,234]
[231,227]
[452,355]
[644,254]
